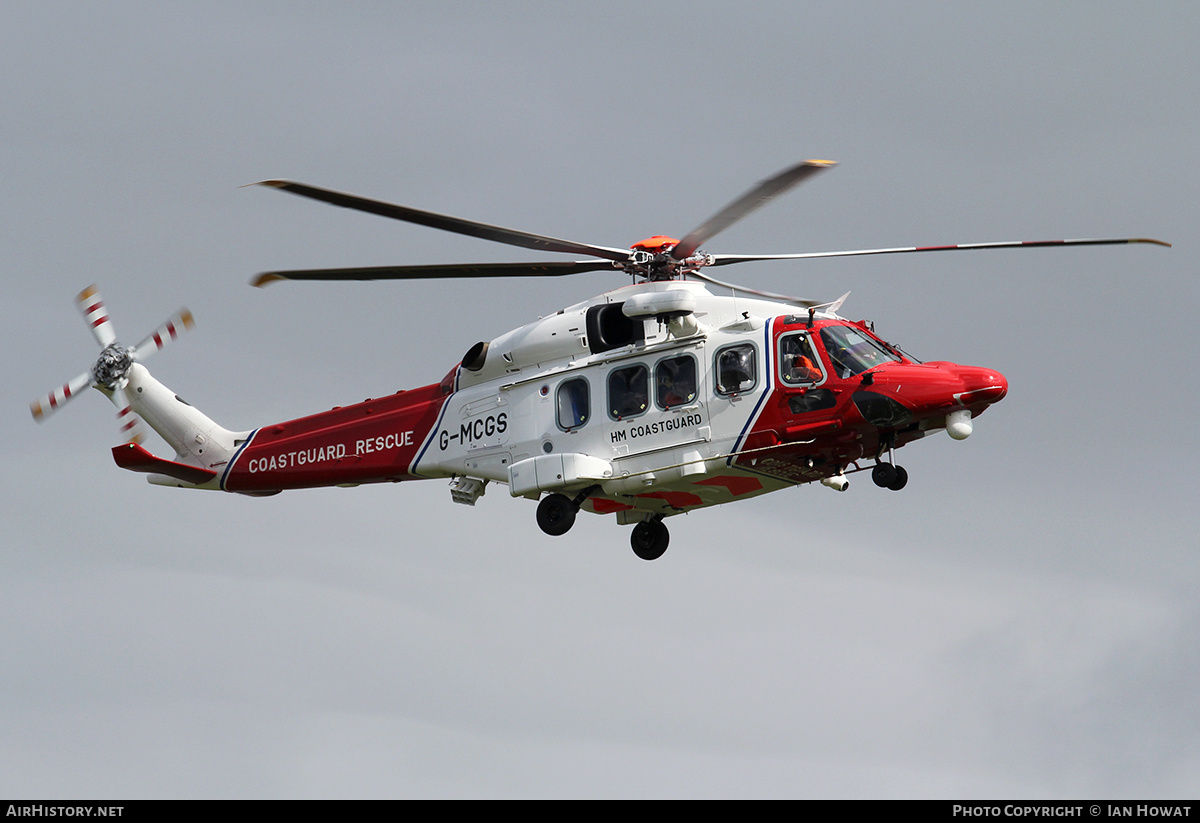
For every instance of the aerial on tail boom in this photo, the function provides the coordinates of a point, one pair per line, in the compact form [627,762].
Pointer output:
[647,401]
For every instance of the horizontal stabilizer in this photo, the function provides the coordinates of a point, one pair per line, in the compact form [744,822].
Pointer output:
[133,457]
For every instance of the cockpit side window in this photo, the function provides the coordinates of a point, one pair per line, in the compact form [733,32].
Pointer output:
[628,392]
[675,381]
[852,352]
[574,403]
[737,369]
[798,363]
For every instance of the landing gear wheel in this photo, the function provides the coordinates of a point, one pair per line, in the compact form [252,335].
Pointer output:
[900,480]
[650,539]
[884,474]
[556,514]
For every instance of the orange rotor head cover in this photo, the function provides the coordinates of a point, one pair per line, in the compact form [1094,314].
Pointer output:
[655,244]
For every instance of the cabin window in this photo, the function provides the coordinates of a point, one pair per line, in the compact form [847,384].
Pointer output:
[573,403]
[798,363]
[737,369]
[675,381]
[628,392]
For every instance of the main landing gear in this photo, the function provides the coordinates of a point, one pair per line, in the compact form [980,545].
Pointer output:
[556,515]
[650,538]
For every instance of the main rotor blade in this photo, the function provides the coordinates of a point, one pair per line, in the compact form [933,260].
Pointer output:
[437,272]
[728,259]
[754,199]
[452,224]
[770,295]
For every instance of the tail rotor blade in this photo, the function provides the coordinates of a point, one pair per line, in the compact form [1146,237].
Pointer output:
[164,334]
[129,424]
[46,406]
[91,306]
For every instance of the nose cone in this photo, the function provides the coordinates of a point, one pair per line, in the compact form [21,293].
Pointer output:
[980,386]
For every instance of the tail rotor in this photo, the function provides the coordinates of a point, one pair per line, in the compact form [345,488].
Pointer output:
[110,372]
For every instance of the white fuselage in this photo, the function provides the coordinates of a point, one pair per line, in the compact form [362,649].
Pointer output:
[510,411]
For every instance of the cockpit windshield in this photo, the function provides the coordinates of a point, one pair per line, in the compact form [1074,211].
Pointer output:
[851,352]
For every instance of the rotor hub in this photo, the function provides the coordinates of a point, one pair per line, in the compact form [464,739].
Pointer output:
[651,259]
[113,365]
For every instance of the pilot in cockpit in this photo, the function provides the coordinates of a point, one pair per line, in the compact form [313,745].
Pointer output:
[799,366]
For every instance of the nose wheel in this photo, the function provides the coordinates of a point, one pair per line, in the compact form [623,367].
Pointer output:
[889,476]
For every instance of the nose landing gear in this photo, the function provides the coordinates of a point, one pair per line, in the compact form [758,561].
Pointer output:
[889,476]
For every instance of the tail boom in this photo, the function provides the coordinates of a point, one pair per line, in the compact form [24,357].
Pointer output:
[376,441]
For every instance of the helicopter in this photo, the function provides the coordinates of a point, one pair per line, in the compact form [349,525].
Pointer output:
[653,399]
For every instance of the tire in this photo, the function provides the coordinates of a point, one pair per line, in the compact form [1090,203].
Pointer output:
[650,539]
[556,514]
[884,474]
[900,480]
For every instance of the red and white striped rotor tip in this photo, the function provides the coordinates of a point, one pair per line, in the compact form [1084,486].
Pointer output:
[128,422]
[95,314]
[164,334]
[44,407]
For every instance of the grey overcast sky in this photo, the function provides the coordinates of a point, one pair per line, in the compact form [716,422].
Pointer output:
[1021,621]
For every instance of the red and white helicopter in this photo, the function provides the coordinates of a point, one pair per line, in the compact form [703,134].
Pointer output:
[646,401]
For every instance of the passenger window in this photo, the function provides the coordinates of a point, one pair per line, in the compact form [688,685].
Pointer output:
[737,369]
[675,382]
[573,403]
[628,392]
[798,362]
